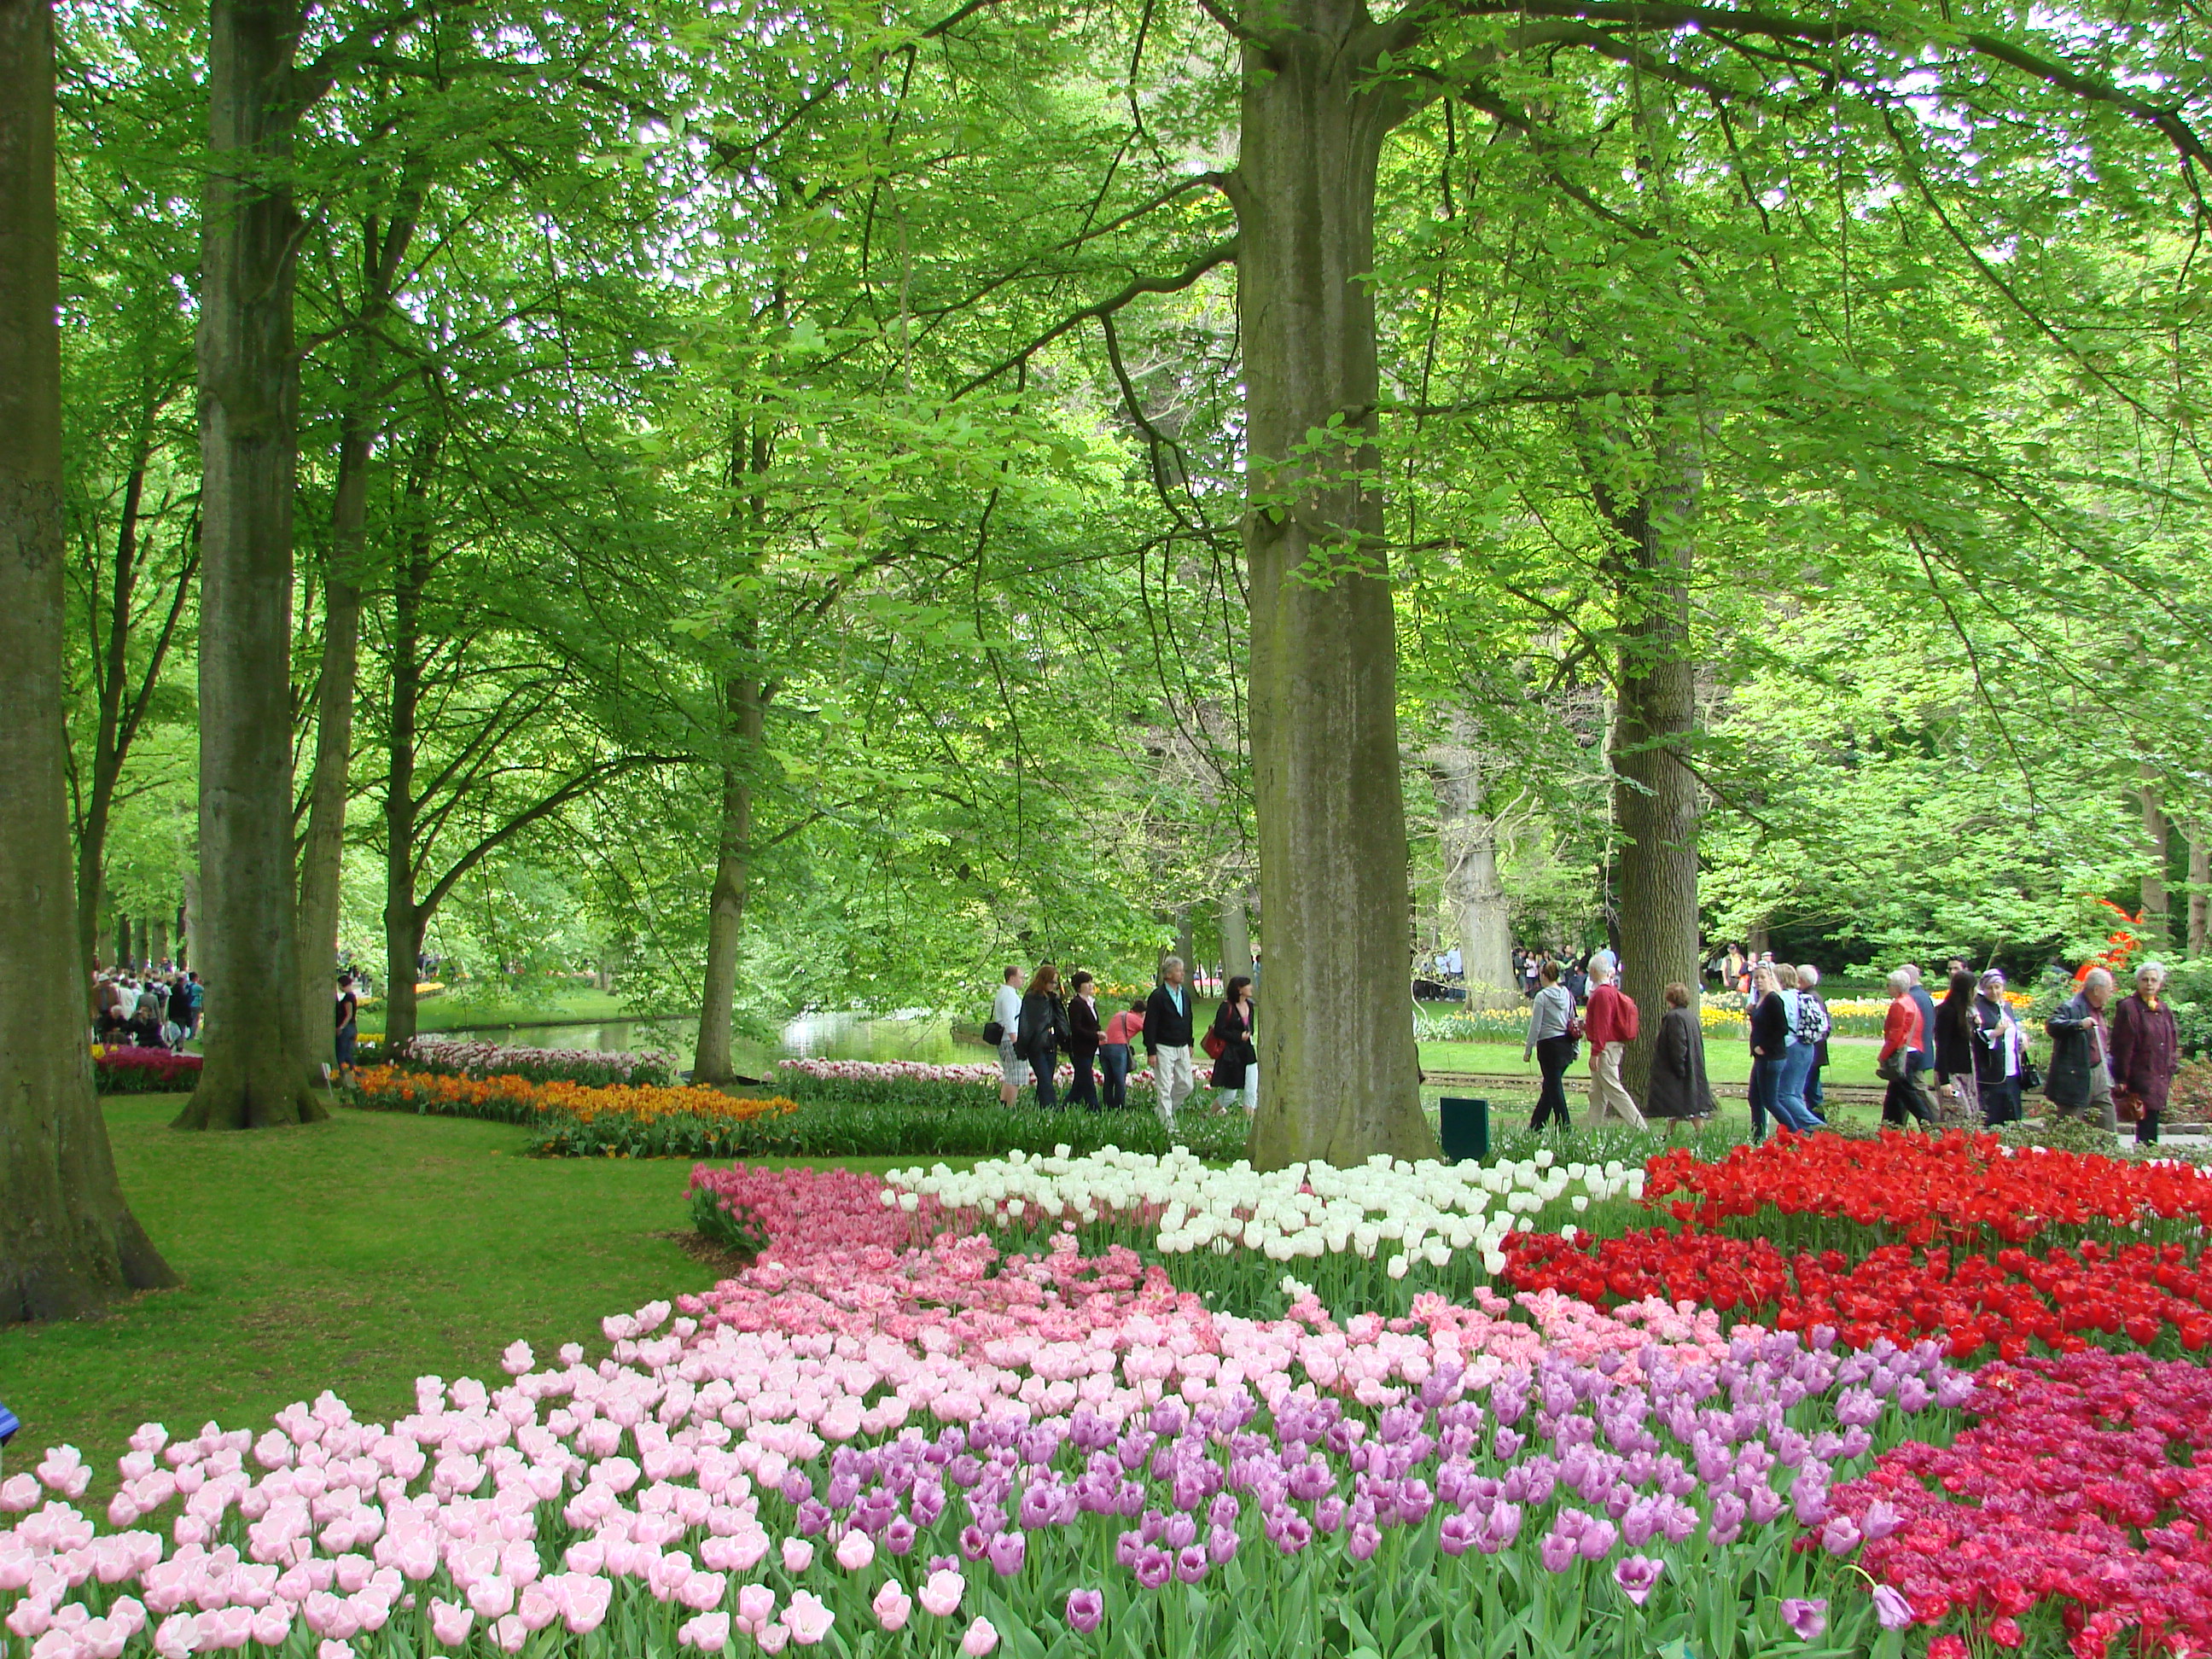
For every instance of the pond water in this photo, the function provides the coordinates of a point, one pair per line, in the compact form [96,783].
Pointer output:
[909,1034]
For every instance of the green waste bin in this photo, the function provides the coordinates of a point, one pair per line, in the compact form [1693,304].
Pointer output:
[1465,1128]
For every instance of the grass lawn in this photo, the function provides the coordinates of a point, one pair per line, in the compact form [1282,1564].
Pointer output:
[1849,1062]
[353,1255]
[446,1010]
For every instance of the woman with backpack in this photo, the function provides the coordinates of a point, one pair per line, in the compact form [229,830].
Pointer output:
[1235,1060]
[1551,1039]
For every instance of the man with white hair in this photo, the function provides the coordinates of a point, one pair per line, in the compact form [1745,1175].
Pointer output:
[2081,1080]
[1610,1023]
[1813,1027]
[1167,1040]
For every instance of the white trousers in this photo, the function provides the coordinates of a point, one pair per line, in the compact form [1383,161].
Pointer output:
[1173,1080]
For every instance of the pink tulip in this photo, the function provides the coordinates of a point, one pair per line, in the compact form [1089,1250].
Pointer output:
[808,1618]
[450,1622]
[709,1632]
[798,1554]
[772,1637]
[982,1636]
[756,1607]
[941,1595]
[855,1550]
[893,1606]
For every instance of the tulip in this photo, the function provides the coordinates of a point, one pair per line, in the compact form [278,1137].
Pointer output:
[798,1555]
[1086,1610]
[1807,1617]
[892,1606]
[1638,1577]
[855,1550]
[981,1638]
[1894,1612]
[941,1595]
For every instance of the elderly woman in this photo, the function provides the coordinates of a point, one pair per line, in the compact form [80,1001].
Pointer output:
[1901,1034]
[2146,1052]
[1679,1091]
[2000,1052]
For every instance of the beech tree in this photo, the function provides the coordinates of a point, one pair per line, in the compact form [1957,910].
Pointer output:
[67,1240]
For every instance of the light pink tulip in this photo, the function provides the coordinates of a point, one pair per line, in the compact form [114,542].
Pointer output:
[855,1550]
[982,1636]
[941,1595]
[892,1604]
[798,1554]
[709,1632]
[450,1622]
[808,1618]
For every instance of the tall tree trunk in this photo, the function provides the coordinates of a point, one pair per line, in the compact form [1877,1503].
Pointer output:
[403,918]
[1482,920]
[726,914]
[1655,795]
[157,946]
[68,1243]
[1236,933]
[322,859]
[107,760]
[2157,920]
[122,940]
[2200,887]
[249,390]
[1338,1078]
[1186,940]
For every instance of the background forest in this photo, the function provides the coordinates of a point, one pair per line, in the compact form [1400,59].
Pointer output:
[769,484]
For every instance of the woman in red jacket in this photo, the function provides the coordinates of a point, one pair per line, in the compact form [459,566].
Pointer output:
[1900,1034]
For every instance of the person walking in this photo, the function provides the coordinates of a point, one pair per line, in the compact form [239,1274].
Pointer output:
[1769,1038]
[2081,1080]
[1679,1093]
[1611,1026]
[1236,1067]
[2000,1052]
[1900,1038]
[1958,1044]
[1551,1040]
[1083,1039]
[1731,968]
[1923,1050]
[1814,1024]
[1122,1031]
[349,1027]
[1166,1041]
[2146,1052]
[1006,1015]
[1043,1033]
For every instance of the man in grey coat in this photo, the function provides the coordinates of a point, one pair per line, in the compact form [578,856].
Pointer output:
[2081,1080]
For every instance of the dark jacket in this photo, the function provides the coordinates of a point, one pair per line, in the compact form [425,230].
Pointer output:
[1769,1026]
[1236,1050]
[1956,1035]
[1165,1028]
[1083,1025]
[2146,1049]
[2076,1043]
[1678,1087]
[1988,1050]
[1926,1004]
[1043,1027]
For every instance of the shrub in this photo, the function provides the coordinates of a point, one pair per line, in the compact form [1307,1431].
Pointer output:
[128,1070]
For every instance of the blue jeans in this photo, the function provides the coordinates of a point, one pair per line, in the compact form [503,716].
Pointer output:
[1795,1065]
[1816,1099]
[1762,1095]
[1044,1067]
[1114,1063]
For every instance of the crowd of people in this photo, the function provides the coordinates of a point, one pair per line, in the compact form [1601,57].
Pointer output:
[158,1007]
[1971,1047]
[1034,1025]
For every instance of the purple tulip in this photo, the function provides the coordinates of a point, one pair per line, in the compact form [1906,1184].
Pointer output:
[1456,1533]
[1879,1519]
[1499,1527]
[1558,1553]
[1007,1552]
[1220,1545]
[1507,1443]
[1191,1564]
[1154,1567]
[1894,1612]
[899,1536]
[1364,1540]
[1841,1536]
[1086,1611]
[1638,1577]
[1806,1617]
[1597,1540]
[1179,1531]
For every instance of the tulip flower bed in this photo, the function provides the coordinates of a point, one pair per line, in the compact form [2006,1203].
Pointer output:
[2080,1504]
[131,1071]
[593,1067]
[1969,1191]
[574,1121]
[1372,1239]
[914,1450]
[913,1083]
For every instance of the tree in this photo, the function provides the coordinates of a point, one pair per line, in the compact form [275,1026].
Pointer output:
[67,1240]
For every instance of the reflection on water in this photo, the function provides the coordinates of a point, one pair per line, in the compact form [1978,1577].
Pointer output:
[909,1034]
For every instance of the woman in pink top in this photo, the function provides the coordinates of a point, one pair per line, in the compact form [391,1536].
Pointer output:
[1121,1030]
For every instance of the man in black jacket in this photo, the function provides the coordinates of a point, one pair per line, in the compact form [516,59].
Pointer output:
[1167,1040]
[2081,1080]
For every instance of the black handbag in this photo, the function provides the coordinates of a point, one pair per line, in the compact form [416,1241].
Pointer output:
[1891,1067]
[994,1033]
[2031,1075]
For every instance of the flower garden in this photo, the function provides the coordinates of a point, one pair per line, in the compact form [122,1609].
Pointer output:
[1895,1396]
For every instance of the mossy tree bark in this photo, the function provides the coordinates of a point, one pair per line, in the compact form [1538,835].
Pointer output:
[249,396]
[1338,1074]
[68,1241]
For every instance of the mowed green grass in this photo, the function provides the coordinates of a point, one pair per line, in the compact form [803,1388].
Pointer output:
[353,1256]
